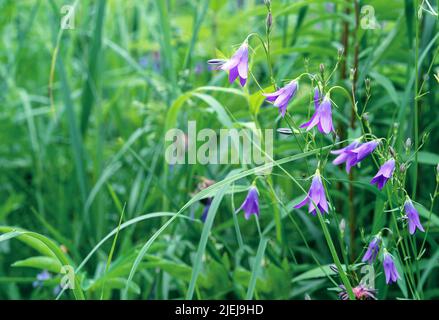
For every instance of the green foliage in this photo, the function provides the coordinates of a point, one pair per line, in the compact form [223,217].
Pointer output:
[84,181]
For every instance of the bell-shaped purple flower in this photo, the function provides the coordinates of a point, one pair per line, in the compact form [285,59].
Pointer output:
[251,203]
[345,154]
[316,197]
[238,65]
[390,271]
[359,153]
[384,174]
[372,250]
[322,117]
[282,97]
[412,217]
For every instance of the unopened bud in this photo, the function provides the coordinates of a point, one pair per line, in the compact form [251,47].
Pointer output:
[340,53]
[367,84]
[392,152]
[408,145]
[352,75]
[269,20]
[322,68]
[402,168]
[342,225]
[365,116]
[267,3]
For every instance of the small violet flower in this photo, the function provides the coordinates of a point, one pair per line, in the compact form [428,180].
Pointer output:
[282,97]
[345,154]
[41,277]
[238,65]
[372,250]
[389,269]
[322,117]
[315,197]
[412,217]
[251,203]
[354,153]
[361,152]
[384,174]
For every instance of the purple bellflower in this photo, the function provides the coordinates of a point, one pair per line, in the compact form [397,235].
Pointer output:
[315,197]
[412,217]
[354,153]
[361,152]
[344,154]
[390,271]
[372,250]
[238,65]
[282,97]
[251,203]
[322,117]
[384,174]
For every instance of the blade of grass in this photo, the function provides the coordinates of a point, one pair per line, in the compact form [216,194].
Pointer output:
[256,268]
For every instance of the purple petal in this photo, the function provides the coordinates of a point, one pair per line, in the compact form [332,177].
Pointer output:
[233,74]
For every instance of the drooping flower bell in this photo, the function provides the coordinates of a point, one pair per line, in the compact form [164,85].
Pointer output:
[251,203]
[384,174]
[372,250]
[390,271]
[354,153]
[282,97]
[316,197]
[322,117]
[412,217]
[344,154]
[237,65]
[361,152]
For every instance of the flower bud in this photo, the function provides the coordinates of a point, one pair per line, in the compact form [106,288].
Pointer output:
[340,53]
[342,226]
[392,152]
[352,74]
[365,116]
[269,20]
[408,145]
[402,168]
[367,84]
[322,68]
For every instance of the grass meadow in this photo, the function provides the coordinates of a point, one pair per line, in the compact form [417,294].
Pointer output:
[95,205]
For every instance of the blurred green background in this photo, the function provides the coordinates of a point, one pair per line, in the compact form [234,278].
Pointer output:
[83,116]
